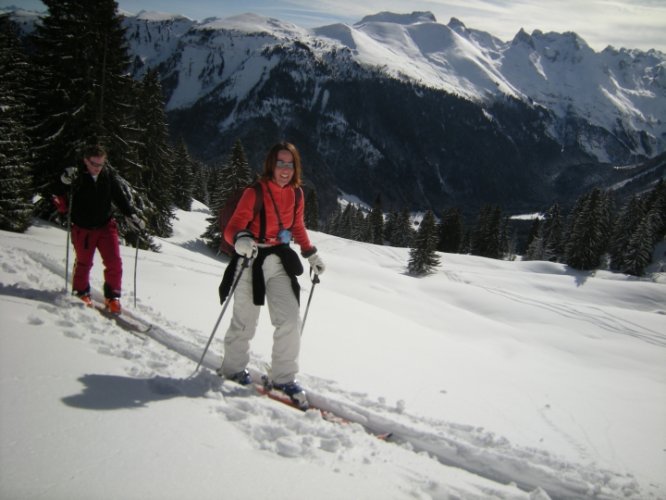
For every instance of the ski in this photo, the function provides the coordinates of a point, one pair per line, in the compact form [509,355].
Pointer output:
[127,323]
[276,395]
[263,387]
[281,397]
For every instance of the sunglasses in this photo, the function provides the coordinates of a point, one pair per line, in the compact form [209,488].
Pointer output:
[95,164]
[284,164]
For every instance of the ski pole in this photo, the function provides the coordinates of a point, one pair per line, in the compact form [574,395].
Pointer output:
[136,258]
[315,280]
[219,318]
[69,230]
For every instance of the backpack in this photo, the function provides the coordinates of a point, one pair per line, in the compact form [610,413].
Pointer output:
[230,207]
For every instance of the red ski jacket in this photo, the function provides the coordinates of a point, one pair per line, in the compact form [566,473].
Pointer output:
[285,198]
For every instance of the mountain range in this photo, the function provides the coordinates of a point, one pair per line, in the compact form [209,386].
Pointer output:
[423,114]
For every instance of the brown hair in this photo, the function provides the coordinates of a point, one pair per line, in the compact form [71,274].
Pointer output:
[94,150]
[271,160]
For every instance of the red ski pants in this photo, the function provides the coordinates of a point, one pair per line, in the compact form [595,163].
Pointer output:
[104,239]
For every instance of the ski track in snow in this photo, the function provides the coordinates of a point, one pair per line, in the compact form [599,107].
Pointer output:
[596,316]
[287,432]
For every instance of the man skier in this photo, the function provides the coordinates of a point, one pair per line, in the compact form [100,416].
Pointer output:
[89,190]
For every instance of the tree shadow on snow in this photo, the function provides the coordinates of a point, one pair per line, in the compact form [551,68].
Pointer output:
[580,277]
[113,392]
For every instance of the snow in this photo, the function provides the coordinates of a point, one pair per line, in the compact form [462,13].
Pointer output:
[422,50]
[156,16]
[509,380]
[253,23]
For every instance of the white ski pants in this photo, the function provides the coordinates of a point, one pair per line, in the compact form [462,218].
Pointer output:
[285,317]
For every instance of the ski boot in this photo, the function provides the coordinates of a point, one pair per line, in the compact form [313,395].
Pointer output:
[295,392]
[86,299]
[243,377]
[113,306]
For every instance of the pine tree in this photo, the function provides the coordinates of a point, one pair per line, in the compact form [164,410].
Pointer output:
[466,246]
[216,201]
[200,176]
[535,232]
[423,255]
[15,167]
[450,231]
[638,252]
[333,223]
[376,223]
[360,228]
[508,241]
[236,174]
[628,220]
[83,91]
[183,187]
[155,155]
[638,229]
[588,233]
[211,235]
[536,248]
[403,232]
[346,223]
[311,215]
[605,217]
[233,176]
[657,204]
[487,238]
[389,226]
[553,234]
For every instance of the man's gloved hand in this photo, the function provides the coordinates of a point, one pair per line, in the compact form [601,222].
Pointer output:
[137,222]
[316,263]
[245,246]
[68,175]
[60,203]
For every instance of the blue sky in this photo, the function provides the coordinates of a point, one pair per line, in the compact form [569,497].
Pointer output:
[639,24]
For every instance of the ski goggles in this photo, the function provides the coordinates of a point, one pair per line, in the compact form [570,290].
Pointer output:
[284,164]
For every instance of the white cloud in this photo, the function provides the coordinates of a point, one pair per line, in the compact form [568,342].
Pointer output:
[626,23]
[638,24]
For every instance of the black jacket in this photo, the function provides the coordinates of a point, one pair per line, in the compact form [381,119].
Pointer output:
[91,200]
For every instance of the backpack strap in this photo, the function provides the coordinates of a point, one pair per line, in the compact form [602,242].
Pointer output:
[299,196]
[259,209]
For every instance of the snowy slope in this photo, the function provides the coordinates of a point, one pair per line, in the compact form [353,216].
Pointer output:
[499,379]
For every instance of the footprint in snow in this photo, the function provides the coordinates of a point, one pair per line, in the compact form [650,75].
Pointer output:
[35,320]
[7,268]
[287,448]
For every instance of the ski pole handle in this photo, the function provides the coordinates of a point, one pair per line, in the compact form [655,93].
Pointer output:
[315,280]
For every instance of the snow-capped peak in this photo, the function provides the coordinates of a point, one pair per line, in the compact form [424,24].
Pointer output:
[556,71]
[253,23]
[149,15]
[415,46]
[391,17]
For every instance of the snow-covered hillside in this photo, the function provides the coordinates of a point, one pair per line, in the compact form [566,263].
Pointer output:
[508,380]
